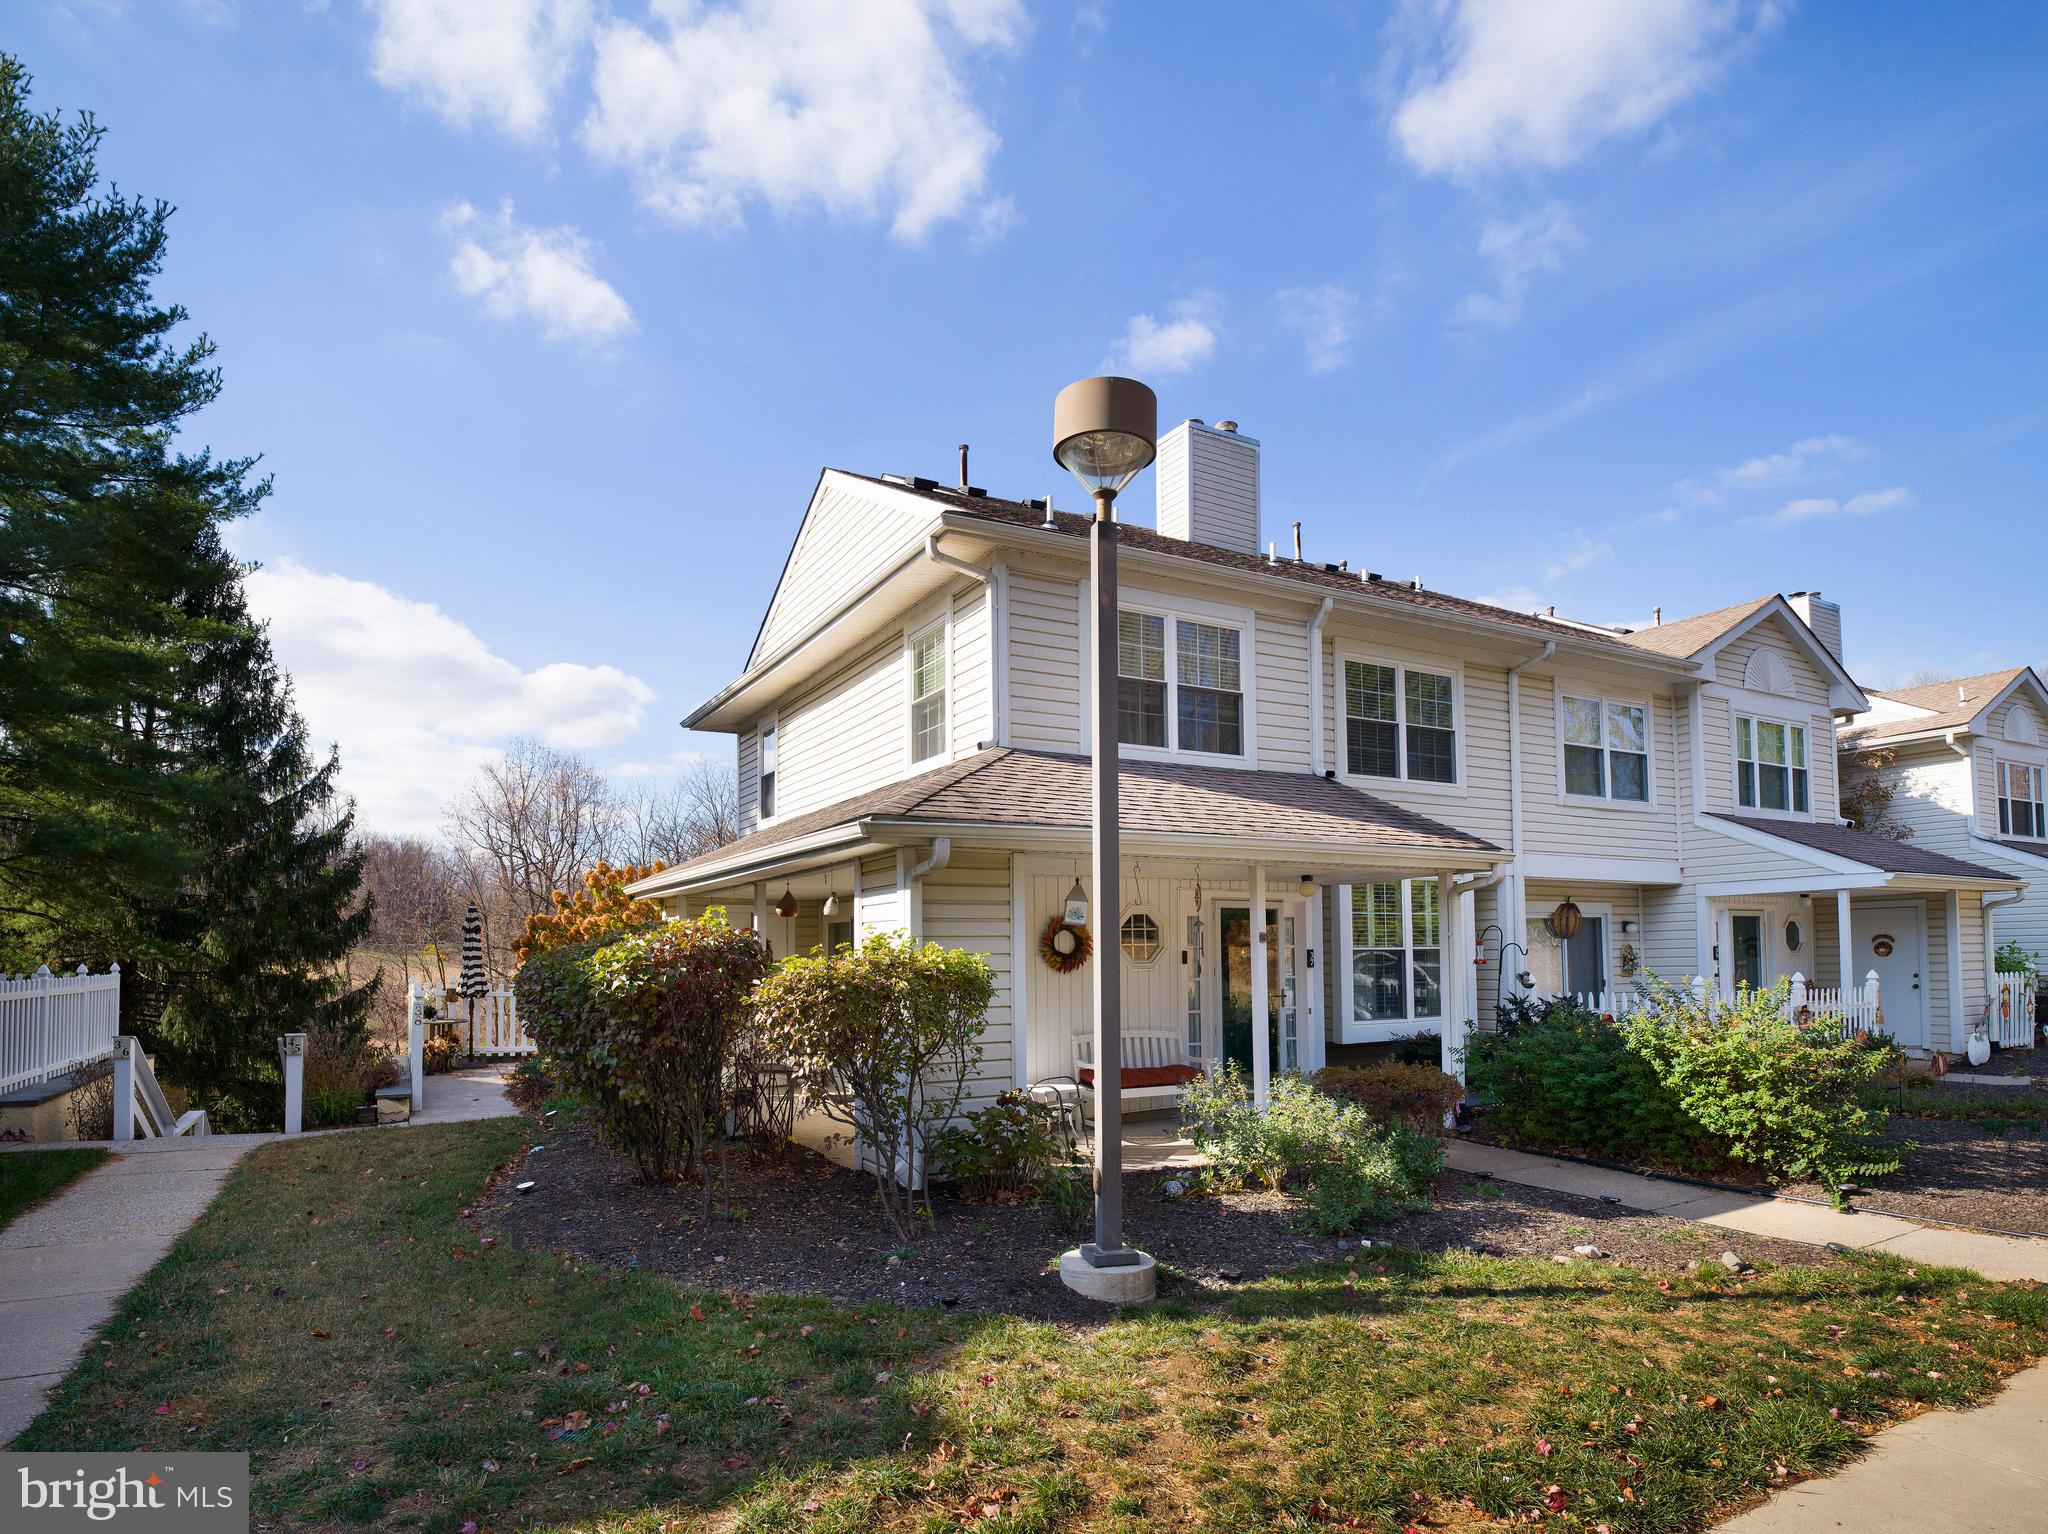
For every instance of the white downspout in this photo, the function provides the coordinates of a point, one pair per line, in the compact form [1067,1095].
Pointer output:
[913,880]
[1315,686]
[998,614]
[1992,902]
[1514,929]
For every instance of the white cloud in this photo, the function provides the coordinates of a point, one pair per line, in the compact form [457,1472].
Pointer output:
[1806,459]
[1186,340]
[1326,319]
[1493,84]
[1584,553]
[543,274]
[1870,503]
[1517,252]
[415,699]
[501,62]
[853,106]
[1520,599]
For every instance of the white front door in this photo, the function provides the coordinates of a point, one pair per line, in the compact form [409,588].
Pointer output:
[1892,939]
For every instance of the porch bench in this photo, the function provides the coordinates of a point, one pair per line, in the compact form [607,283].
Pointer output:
[1157,1057]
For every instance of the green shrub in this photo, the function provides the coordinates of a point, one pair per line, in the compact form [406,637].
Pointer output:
[1011,1146]
[1562,1077]
[642,1028]
[1777,1095]
[328,1106]
[1349,1168]
[886,1037]
[1419,1095]
[1421,1048]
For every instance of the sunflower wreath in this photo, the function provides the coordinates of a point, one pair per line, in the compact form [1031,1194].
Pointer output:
[1073,957]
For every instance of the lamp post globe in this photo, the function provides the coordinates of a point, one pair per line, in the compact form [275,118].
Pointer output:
[1105,431]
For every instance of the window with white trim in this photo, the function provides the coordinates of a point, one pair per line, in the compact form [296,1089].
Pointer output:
[1197,703]
[2021,809]
[1397,954]
[1606,748]
[928,693]
[1770,766]
[765,804]
[1400,722]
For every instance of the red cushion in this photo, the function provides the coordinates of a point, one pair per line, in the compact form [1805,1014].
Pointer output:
[1149,1075]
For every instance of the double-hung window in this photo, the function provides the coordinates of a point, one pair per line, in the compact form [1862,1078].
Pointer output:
[765,804]
[1770,766]
[2020,804]
[1606,749]
[1400,722]
[1397,954]
[1191,701]
[928,694]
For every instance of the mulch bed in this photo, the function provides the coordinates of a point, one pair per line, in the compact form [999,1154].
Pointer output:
[811,1227]
[1959,1174]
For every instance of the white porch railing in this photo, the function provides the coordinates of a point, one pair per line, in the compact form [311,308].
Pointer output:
[499,1033]
[1857,1012]
[2012,1011]
[51,1024]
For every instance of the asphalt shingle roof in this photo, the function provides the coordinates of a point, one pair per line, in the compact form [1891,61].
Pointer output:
[1683,637]
[1946,711]
[1863,847]
[1005,786]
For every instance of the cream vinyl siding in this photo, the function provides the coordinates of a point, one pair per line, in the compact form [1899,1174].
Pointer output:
[1670,938]
[1731,662]
[1931,794]
[845,735]
[971,710]
[850,536]
[881,905]
[1280,645]
[750,779]
[2001,718]
[1045,662]
[1594,827]
[967,906]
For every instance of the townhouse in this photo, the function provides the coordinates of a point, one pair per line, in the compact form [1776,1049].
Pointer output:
[1354,807]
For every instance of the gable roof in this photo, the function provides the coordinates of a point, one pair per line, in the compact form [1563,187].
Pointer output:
[1005,786]
[1322,579]
[1684,636]
[1872,851]
[1939,708]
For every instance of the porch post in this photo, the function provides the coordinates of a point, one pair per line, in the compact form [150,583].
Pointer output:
[1456,949]
[1842,942]
[1262,1047]
[1958,1032]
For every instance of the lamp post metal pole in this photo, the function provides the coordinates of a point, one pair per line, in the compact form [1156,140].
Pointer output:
[1108,1249]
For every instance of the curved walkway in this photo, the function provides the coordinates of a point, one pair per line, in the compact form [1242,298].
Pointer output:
[1971,1472]
[64,1265]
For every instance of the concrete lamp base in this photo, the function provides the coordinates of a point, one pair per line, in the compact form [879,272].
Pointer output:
[1128,1285]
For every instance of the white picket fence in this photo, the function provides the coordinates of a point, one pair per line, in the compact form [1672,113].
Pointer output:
[1857,1012]
[499,1033]
[51,1024]
[2012,1011]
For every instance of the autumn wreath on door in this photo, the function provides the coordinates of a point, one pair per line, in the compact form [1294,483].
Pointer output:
[1064,945]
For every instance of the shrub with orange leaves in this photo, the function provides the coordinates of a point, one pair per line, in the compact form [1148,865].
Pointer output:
[601,909]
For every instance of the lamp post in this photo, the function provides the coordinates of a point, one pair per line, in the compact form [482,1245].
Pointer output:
[1105,431]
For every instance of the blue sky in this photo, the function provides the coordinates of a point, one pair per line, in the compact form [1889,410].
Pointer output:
[545,313]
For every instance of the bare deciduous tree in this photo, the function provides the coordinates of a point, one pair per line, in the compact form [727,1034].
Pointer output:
[531,823]
[696,814]
[1867,793]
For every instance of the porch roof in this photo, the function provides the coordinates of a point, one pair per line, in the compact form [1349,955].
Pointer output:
[1010,793]
[1876,852]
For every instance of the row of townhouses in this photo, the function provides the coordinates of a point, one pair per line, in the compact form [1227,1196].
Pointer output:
[1404,785]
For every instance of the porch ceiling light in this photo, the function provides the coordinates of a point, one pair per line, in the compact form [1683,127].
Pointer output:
[1077,906]
[1308,887]
[786,906]
[1104,431]
[1564,921]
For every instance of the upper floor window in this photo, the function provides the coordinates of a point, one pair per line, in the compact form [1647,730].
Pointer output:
[928,694]
[1197,704]
[1606,749]
[766,802]
[1770,765]
[1400,723]
[2020,805]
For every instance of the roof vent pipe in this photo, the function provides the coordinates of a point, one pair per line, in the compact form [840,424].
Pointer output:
[1048,524]
[1297,543]
[1226,426]
[963,466]
[1657,617]
[1416,584]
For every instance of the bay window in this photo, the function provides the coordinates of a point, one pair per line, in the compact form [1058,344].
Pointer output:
[1197,703]
[1400,723]
[1397,954]
[1606,748]
[2020,804]
[1770,766]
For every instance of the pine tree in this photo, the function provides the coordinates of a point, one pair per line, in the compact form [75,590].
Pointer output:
[159,803]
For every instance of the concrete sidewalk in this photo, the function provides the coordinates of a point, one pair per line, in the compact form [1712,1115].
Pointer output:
[1971,1472]
[2001,1257]
[474,1092]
